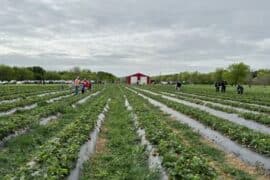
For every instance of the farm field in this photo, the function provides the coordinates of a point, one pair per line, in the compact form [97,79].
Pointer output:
[134,132]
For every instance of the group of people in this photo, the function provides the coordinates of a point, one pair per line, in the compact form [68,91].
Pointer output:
[81,85]
[221,86]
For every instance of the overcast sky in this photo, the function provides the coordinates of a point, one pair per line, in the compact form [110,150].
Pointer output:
[127,36]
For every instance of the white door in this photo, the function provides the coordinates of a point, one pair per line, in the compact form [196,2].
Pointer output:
[143,80]
[133,80]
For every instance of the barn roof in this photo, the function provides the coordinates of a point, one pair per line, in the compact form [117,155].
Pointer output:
[138,74]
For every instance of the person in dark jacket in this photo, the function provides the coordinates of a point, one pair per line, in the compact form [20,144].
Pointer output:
[240,89]
[217,86]
[83,86]
[178,85]
[223,86]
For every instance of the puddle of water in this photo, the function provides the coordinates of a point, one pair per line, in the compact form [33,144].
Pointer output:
[15,134]
[44,121]
[228,116]
[82,101]
[88,148]
[57,99]
[223,142]
[154,161]
[9,101]
[12,111]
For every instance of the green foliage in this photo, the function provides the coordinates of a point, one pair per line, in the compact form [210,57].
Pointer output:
[104,76]
[6,73]
[29,101]
[238,73]
[23,91]
[56,157]
[219,74]
[187,77]
[11,124]
[180,160]
[235,73]
[206,100]
[52,75]
[256,141]
[23,74]
[50,151]
[38,73]
[121,156]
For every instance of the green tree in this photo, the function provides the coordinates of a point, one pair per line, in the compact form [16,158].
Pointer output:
[184,76]
[104,76]
[219,74]
[238,73]
[23,74]
[39,72]
[6,73]
[52,75]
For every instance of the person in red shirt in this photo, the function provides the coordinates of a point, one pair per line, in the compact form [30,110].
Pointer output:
[90,85]
[87,84]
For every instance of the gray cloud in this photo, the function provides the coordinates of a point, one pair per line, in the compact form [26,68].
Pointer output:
[123,37]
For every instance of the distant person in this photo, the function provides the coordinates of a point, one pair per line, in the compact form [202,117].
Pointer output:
[223,86]
[178,85]
[240,89]
[217,86]
[84,84]
[87,86]
[90,85]
[77,85]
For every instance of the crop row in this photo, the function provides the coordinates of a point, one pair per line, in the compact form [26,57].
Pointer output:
[258,117]
[118,154]
[261,118]
[22,149]
[30,100]
[181,161]
[250,107]
[249,96]
[182,136]
[13,92]
[258,142]
[57,156]
[15,122]
[223,98]
[19,150]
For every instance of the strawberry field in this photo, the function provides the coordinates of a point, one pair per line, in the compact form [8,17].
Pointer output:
[134,132]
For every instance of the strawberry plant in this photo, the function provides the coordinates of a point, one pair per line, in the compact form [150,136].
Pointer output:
[256,141]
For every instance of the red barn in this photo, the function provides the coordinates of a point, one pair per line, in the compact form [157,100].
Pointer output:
[138,78]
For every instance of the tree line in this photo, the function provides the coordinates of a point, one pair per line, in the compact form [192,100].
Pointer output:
[238,73]
[8,73]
